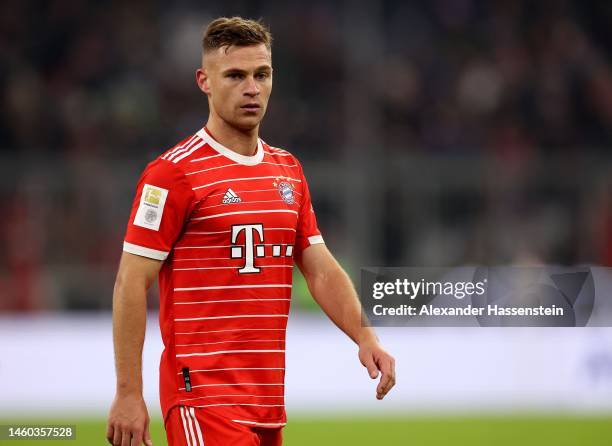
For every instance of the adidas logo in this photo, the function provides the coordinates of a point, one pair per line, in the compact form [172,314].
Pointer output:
[231,197]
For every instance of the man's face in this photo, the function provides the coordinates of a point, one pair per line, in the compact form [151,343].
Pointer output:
[238,83]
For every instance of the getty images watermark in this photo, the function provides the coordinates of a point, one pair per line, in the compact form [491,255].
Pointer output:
[543,296]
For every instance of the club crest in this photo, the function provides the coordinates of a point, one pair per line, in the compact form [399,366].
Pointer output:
[285,189]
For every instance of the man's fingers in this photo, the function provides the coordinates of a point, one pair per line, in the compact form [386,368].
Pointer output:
[367,359]
[126,438]
[387,380]
[147,434]
[137,438]
[116,436]
[147,437]
[368,363]
[110,432]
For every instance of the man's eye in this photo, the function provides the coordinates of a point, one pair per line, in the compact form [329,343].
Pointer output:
[234,75]
[261,75]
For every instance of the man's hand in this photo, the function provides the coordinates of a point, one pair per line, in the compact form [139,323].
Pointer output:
[128,422]
[374,358]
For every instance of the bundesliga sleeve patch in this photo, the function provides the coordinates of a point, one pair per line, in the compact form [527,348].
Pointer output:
[151,209]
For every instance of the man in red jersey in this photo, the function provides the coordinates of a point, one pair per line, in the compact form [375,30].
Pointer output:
[221,218]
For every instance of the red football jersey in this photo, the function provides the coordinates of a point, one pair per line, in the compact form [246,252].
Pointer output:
[227,227]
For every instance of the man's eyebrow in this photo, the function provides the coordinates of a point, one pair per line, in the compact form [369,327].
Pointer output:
[241,71]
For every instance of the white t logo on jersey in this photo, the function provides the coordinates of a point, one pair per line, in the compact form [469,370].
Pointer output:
[250,247]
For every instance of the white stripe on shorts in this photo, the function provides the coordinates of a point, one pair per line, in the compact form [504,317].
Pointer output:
[190,423]
[197,424]
[188,434]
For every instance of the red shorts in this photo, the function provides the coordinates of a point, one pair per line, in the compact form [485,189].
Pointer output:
[196,426]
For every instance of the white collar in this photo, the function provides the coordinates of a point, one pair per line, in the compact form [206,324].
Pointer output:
[229,153]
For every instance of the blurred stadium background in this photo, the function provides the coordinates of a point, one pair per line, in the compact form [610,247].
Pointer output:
[433,133]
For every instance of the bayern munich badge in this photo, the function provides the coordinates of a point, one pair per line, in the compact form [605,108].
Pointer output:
[285,189]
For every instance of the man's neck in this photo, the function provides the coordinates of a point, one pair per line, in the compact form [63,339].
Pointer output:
[243,142]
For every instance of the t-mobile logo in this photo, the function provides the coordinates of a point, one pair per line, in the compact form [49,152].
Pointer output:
[250,249]
[253,248]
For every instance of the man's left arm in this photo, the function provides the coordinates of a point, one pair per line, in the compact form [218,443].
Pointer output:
[333,290]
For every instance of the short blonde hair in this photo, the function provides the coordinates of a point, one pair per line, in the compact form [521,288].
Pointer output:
[228,31]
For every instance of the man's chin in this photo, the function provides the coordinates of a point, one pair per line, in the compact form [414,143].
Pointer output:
[246,123]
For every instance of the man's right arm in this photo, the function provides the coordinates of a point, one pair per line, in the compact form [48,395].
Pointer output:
[128,416]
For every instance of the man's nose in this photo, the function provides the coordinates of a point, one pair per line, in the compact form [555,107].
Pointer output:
[252,89]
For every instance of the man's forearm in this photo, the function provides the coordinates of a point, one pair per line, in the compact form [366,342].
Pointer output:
[336,295]
[129,324]
[333,290]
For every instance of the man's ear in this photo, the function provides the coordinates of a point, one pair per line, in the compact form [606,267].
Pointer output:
[202,80]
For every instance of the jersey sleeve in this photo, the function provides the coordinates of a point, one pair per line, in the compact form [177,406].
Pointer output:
[307,232]
[163,202]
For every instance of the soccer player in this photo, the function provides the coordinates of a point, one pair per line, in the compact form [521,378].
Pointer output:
[221,218]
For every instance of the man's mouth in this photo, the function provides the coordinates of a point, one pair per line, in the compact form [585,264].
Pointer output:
[251,107]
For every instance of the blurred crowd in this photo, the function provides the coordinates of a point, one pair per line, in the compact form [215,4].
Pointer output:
[87,87]
[511,76]
[456,75]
